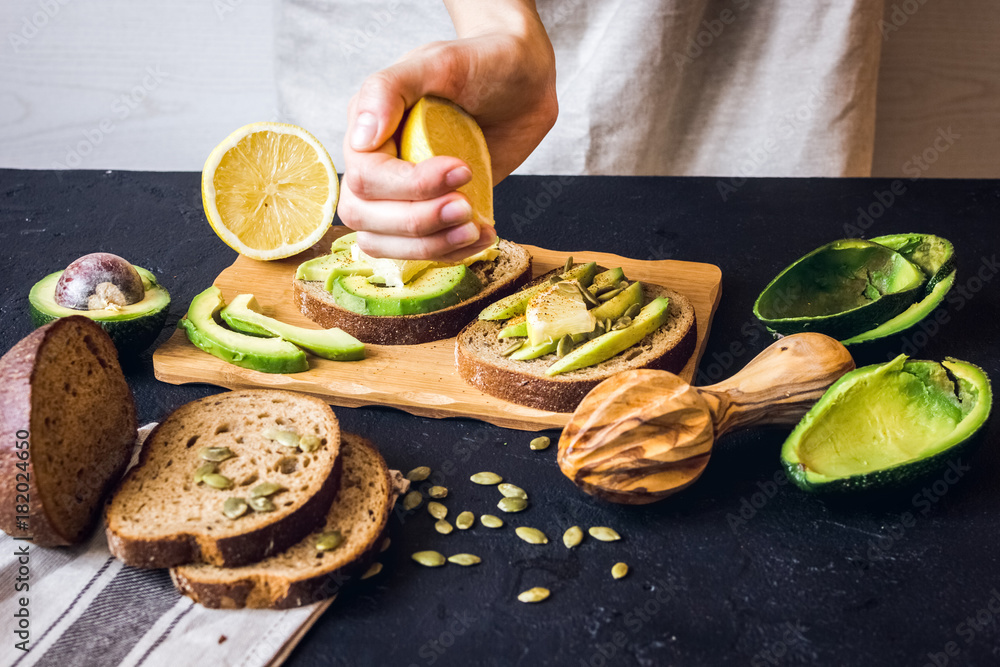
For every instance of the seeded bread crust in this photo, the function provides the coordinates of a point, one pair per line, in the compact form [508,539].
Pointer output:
[299,576]
[63,385]
[158,517]
[481,364]
[508,273]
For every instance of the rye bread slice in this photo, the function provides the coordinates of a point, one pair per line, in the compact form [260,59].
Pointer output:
[302,575]
[63,393]
[481,363]
[510,271]
[159,516]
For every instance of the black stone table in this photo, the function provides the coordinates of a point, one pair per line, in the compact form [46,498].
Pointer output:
[742,567]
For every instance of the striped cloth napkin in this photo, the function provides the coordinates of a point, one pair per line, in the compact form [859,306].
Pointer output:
[86,608]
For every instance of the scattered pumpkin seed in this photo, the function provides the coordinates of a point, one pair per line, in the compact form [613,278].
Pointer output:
[329,541]
[234,508]
[621,324]
[512,491]
[486,478]
[512,504]
[633,310]
[491,521]
[568,265]
[465,559]
[607,324]
[604,534]
[572,537]
[465,520]
[598,331]
[624,320]
[375,568]
[565,346]
[588,296]
[442,526]
[217,481]
[265,489]
[283,438]
[536,594]
[310,442]
[619,570]
[429,558]
[437,510]
[540,443]
[412,500]
[603,289]
[215,454]
[531,535]
[262,504]
[554,279]
[418,474]
[607,296]
[513,347]
[437,492]
[385,545]
[204,469]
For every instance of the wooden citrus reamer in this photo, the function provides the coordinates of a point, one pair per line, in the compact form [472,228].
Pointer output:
[642,435]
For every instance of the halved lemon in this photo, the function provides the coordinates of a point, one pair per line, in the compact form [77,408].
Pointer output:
[269,190]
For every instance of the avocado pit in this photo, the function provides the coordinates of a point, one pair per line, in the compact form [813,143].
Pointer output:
[99,281]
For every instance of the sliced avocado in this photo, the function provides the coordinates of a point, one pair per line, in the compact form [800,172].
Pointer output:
[908,317]
[607,279]
[343,242]
[337,263]
[268,355]
[934,255]
[841,289]
[242,315]
[132,328]
[516,327]
[887,424]
[528,351]
[650,318]
[516,303]
[615,307]
[433,290]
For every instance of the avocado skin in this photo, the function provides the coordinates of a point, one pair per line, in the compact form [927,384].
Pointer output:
[131,333]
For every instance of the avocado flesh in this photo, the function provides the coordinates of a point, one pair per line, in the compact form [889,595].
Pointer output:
[132,328]
[344,242]
[517,303]
[241,314]
[607,278]
[515,328]
[841,289]
[616,306]
[337,263]
[908,317]
[932,254]
[434,289]
[268,355]
[650,318]
[884,424]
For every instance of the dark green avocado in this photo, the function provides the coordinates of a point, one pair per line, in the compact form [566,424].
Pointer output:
[888,424]
[133,328]
[432,290]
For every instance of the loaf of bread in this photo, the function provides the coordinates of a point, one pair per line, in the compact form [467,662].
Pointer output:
[303,574]
[67,429]
[171,508]
[510,271]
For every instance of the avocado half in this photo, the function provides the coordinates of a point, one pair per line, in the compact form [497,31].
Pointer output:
[133,328]
[888,424]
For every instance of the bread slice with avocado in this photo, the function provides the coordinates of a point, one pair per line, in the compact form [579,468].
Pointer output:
[661,334]
[430,302]
[315,568]
[67,429]
[228,480]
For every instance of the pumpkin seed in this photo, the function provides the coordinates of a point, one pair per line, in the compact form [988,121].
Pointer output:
[598,331]
[568,265]
[512,348]
[215,454]
[622,323]
[437,510]
[412,500]
[329,541]
[418,474]
[604,534]
[486,478]
[204,469]
[536,594]
[607,296]
[429,558]
[607,323]
[234,508]
[375,568]
[283,438]
[603,289]
[265,489]
[512,491]
[465,559]
[437,492]
[262,504]
[531,535]
[310,442]
[619,570]
[554,279]
[588,296]
[491,521]
[633,310]
[512,504]
[217,481]
[385,545]
[540,443]
[465,520]
[565,346]
[572,537]
[443,527]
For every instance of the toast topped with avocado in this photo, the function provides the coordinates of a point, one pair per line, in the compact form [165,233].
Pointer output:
[388,302]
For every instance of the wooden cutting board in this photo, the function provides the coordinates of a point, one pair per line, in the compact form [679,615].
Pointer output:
[420,379]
